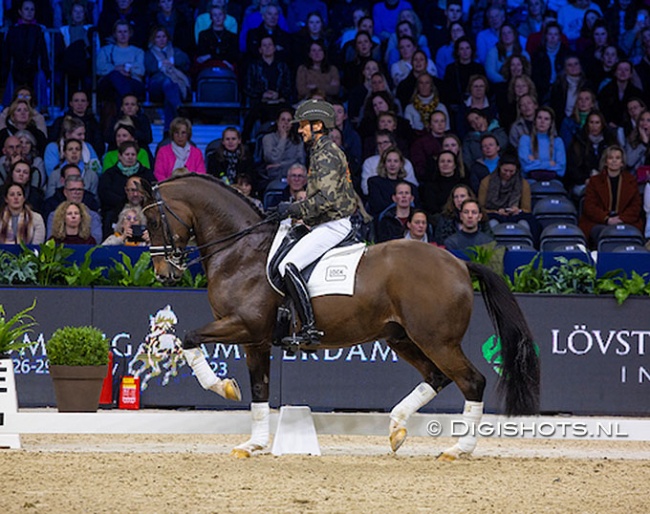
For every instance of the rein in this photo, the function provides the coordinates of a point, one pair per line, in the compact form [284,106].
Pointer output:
[174,255]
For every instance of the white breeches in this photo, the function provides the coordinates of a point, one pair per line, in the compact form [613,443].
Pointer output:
[322,237]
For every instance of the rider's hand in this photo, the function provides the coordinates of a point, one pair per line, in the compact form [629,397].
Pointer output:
[283,210]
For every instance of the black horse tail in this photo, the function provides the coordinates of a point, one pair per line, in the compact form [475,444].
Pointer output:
[519,378]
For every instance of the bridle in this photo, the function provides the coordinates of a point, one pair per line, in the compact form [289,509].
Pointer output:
[177,256]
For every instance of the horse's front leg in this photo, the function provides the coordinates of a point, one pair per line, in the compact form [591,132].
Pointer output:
[220,330]
[258,360]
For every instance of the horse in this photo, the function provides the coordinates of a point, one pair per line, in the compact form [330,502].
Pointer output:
[421,311]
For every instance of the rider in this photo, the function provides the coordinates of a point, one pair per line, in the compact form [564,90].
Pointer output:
[327,209]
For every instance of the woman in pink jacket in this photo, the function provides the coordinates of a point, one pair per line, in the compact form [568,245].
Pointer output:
[180,153]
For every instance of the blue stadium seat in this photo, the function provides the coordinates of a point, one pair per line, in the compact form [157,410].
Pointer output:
[561,235]
[512,234]
[555,209]
[614,236]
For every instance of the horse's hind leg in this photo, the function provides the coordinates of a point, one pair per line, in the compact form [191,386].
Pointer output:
[424,392]
[452,362]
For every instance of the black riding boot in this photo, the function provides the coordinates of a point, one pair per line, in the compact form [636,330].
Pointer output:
[297,289]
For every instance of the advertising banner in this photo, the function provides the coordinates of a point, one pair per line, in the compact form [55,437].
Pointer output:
[594,354]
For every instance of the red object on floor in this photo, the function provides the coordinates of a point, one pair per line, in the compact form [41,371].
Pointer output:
[106,398]
[130,393]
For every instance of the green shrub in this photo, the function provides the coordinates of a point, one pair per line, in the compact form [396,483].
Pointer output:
[77,346]
[15,328]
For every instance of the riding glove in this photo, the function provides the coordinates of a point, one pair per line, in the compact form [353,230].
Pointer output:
[283,210]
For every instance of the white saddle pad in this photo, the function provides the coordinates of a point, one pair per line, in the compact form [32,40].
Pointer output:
[334,273]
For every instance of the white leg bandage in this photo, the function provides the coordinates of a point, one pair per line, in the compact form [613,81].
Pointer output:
[260,423]
[416,399]
[472,415]
[201,368]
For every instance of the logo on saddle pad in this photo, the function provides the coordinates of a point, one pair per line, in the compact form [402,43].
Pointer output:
[336,273]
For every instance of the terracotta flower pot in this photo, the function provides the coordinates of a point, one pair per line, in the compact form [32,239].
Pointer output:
[77,388]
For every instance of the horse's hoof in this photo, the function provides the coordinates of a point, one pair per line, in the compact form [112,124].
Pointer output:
[231,390]
[397,438]
[446,457]
[240,453]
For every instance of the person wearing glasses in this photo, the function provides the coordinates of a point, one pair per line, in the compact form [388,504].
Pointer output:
[130,229]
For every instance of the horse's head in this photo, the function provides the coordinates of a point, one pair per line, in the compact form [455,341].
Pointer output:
[170,226]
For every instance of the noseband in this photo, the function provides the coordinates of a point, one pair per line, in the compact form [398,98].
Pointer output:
[176,256]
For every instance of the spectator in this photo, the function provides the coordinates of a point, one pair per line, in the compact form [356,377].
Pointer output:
[130,229]
[480,127]
[134,200]
[71,128]
[426,148]
[21,174]
[253,18]
[518,83]
[392,221]
[177,19]
[20,116]
[638,142]
[365,49]
[120,66]
[548,60]
[299,10]
[124,131]
[382,186]
[79,107]
[359,94]
[24,54]
[317,74]
[76,62]
[489,37]
[268,86]
[448,222]
[231,157]
[584,104]
[128,12]
[611,197]
[505,196]
[477,101]
[166,67]
[564,92]
[487,163]
[73,191]
[25,93]
[28,153]
[458,73]
[270,27]
[180,153]
[11,153]
[542,154]
[417,226]
[71,225]
[113,181]
[314,29]
[526,109]
[424,102]
[509,44]
[469,233]
[18,222]
[409,25]
[204,21]
[613,98]
[217,45]
[401,68]
[131,114]
[534,19]
[445,175]
[280,149]
[73,153]
[244,184]
[585,152]
[571,17]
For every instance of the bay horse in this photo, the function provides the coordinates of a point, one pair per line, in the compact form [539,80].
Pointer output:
[415,296]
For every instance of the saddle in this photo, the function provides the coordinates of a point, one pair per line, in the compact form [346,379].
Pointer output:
[295,234]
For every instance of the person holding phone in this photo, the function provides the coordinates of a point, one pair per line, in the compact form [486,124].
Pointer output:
[130,230]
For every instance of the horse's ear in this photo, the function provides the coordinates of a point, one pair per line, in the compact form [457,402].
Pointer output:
[146,190]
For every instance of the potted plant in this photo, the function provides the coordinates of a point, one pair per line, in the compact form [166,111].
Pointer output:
[13,330]
[78,358]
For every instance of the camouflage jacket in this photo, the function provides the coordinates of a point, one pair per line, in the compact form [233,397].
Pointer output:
[330,195]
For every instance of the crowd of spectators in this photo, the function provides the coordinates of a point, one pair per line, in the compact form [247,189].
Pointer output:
[446,110]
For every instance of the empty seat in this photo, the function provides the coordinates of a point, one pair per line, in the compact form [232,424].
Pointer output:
[555,209]
[543,188]
[558,234]
[520,247]
[512,233]
[631,248]
[218,86]
[614,236]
